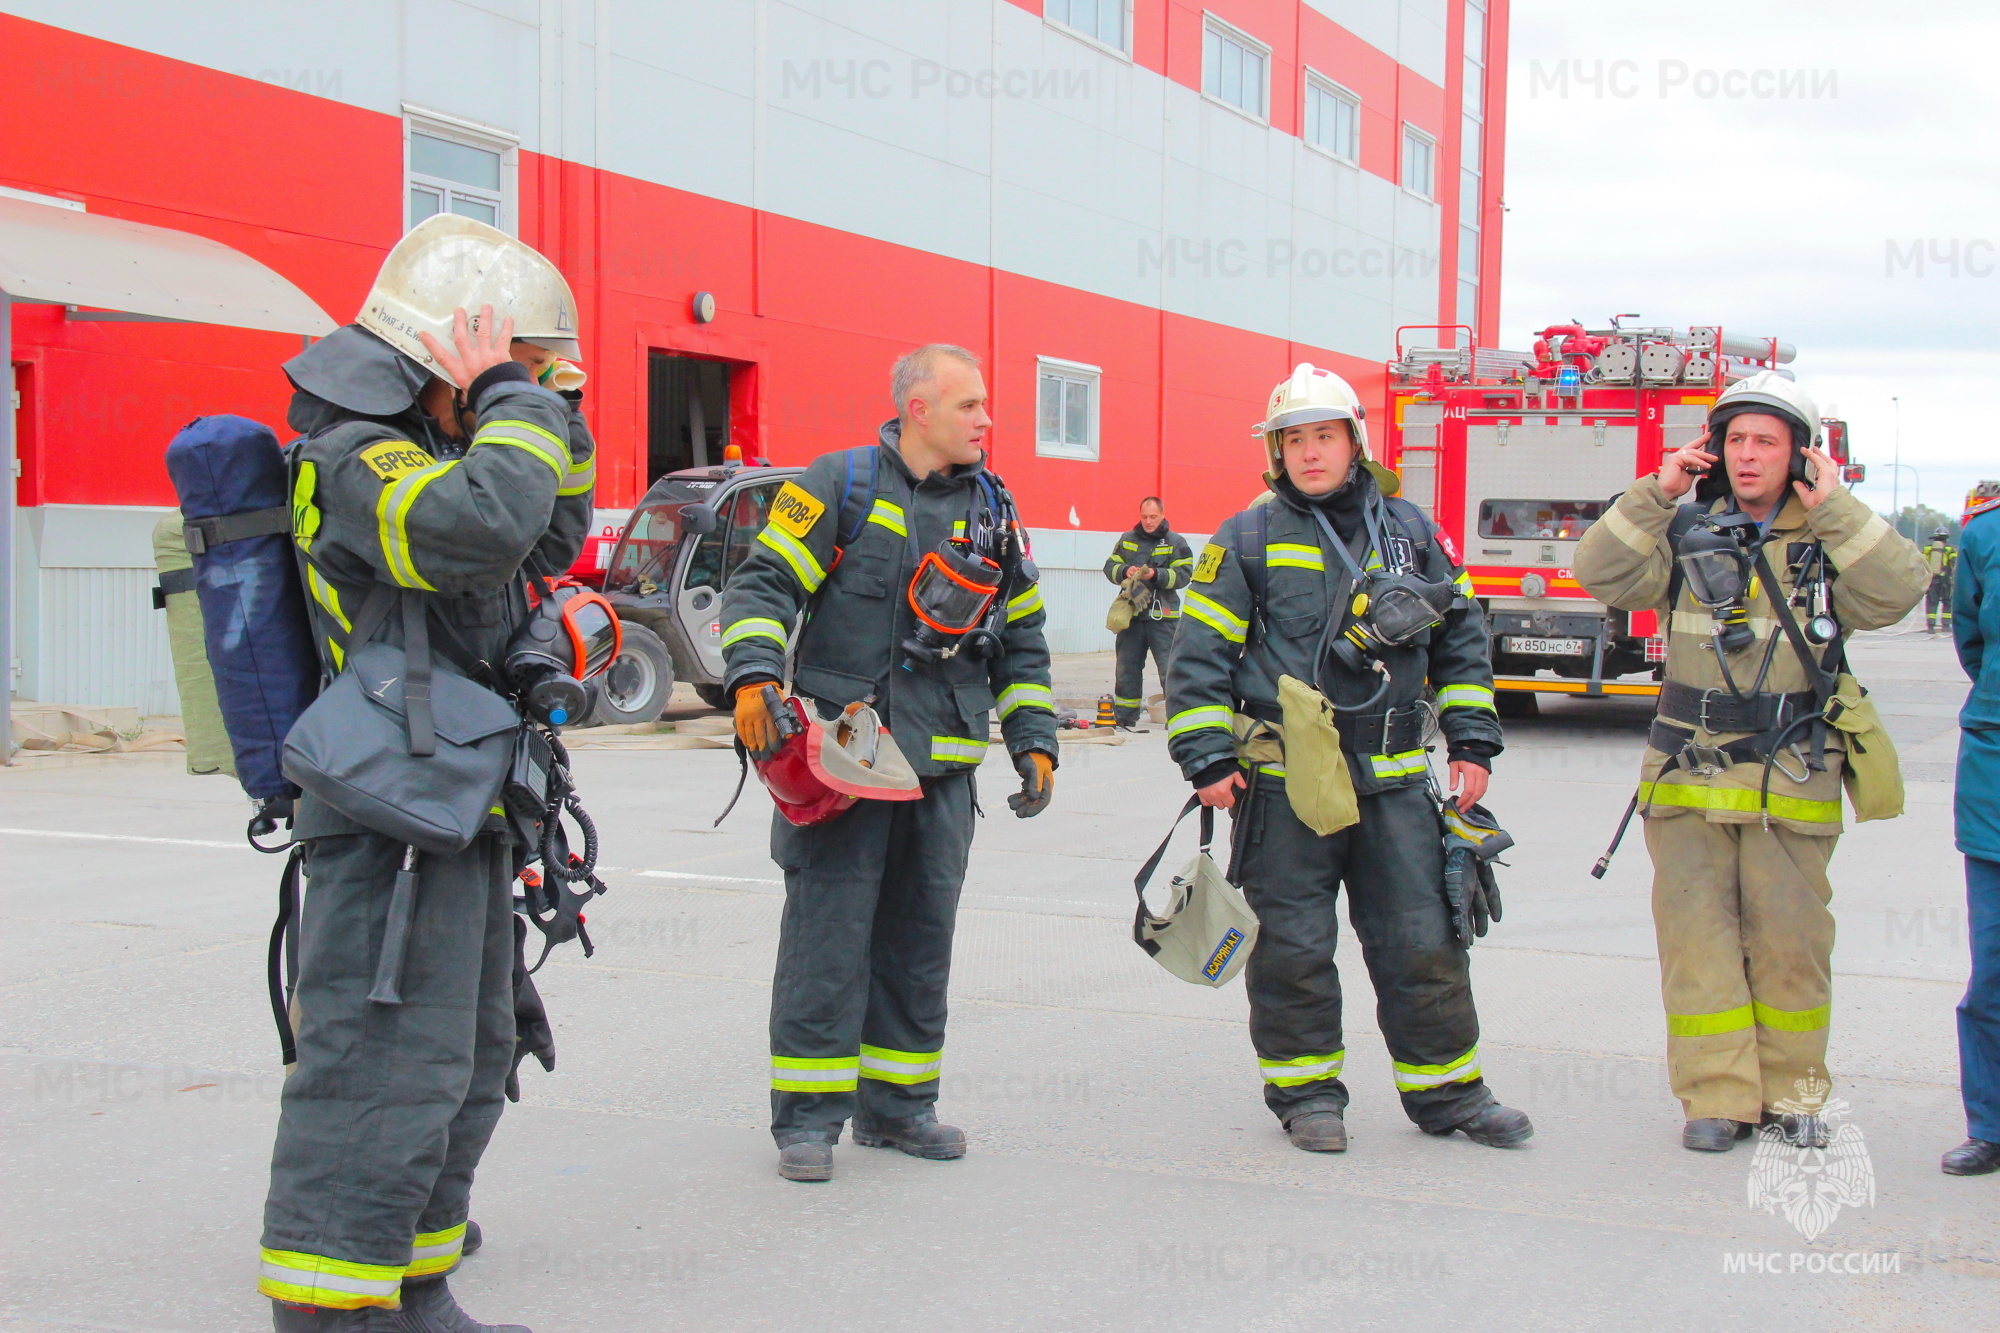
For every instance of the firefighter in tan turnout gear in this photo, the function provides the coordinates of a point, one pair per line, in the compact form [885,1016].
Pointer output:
[1758,580]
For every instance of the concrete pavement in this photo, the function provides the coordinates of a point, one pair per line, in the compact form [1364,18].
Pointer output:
[1123,1173]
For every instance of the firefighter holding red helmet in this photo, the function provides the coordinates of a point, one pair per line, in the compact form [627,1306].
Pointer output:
[904,567]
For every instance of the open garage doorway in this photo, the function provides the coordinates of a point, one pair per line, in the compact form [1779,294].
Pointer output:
[687,413]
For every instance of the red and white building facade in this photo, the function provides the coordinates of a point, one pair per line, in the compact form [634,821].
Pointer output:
[1138,213]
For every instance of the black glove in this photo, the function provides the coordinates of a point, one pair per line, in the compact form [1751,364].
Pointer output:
[1038,783]
[1471,890]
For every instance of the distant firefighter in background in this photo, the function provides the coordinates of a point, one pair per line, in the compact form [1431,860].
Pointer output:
[1147,564]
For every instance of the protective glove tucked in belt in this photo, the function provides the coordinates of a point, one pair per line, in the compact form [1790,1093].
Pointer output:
[1472,838]
[1038,783]
[756,724]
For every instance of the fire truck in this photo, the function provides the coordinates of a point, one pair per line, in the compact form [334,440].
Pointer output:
[1514,455]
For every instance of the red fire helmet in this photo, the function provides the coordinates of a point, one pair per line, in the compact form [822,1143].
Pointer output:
[828,766]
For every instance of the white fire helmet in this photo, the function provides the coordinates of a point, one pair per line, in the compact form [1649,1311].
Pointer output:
[1772,394]
[1310,395]
[449,263]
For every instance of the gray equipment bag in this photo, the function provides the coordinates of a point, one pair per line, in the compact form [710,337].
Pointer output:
[400,742]
[1208,930]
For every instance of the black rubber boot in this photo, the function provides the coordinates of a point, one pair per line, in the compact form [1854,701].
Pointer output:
[1713,1134]
[1494,1125]
[429,1307]
[473,1240]
[808,1159]
[917,1135]
[1801,1131]
[317,1319]
[1318,1131]
[1974,1157]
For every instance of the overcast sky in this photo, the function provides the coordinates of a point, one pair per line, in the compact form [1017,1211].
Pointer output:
[1774,214]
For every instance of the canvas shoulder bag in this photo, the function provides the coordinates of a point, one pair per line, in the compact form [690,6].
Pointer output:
[1207,931]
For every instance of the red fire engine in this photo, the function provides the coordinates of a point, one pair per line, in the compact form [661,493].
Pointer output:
[1516,454]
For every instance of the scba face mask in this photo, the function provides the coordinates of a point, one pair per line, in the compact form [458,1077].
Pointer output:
[951,593]
[1390,611]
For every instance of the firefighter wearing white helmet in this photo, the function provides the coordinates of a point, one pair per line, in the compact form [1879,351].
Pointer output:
[1315,624]
[1757,580]
[434,473]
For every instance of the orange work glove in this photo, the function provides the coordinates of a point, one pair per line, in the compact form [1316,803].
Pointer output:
[755,726]
[1038,783]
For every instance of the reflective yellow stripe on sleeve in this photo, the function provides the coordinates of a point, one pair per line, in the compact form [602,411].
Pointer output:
[1217,617]
[802,561]
[1024,605]
[1690,796]
[305,514]
[579,478]
[887,1066]
[1302,1069]
[1465,696]
[527,435]
[1026,696]
[812,1074]
[329,597]
[1415,1078]
[392,514]
[889,516]
[754,627]
[1199,719]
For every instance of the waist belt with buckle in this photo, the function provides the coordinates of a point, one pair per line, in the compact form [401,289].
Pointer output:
[1391,731]
[1704,761]
[1719,710]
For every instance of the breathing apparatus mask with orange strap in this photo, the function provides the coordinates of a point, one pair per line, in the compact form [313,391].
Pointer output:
[958,590]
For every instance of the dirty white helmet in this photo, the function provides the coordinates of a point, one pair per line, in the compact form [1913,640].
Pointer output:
[448,263]
[1310,395]
[1773,394]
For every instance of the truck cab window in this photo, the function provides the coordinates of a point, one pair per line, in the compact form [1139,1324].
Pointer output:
[1552,520]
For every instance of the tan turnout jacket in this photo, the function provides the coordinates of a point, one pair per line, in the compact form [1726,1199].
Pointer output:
[1624,560]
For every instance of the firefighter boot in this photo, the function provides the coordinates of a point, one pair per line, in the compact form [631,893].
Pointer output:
[917,1135]
[317,1319]
[1713,1134]
[429,1307]
[474,1238]
[807,1159]
[1318,1131]
[1494,1125]
[1801,1131]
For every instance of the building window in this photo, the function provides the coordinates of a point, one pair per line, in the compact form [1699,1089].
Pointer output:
[1419,162]
[456,167]
[1333,119]
[1233,67]
[1066,409]
[1102,21]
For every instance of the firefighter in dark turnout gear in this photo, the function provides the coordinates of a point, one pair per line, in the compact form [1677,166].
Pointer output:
[1151,561]
[1270,602]
[446,485]
[864,953]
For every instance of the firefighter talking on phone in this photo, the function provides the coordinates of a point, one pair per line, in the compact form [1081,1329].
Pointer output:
[1313,624]
[1757,580]
[920,608]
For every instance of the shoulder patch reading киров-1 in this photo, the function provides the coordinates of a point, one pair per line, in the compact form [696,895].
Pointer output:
[394,458]
[1210,564]
[795,510]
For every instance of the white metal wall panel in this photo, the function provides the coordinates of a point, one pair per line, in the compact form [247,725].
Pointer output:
[100,642]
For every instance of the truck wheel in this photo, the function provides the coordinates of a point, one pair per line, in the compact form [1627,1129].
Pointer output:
[713,695]
[1517,703]
[637,684]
